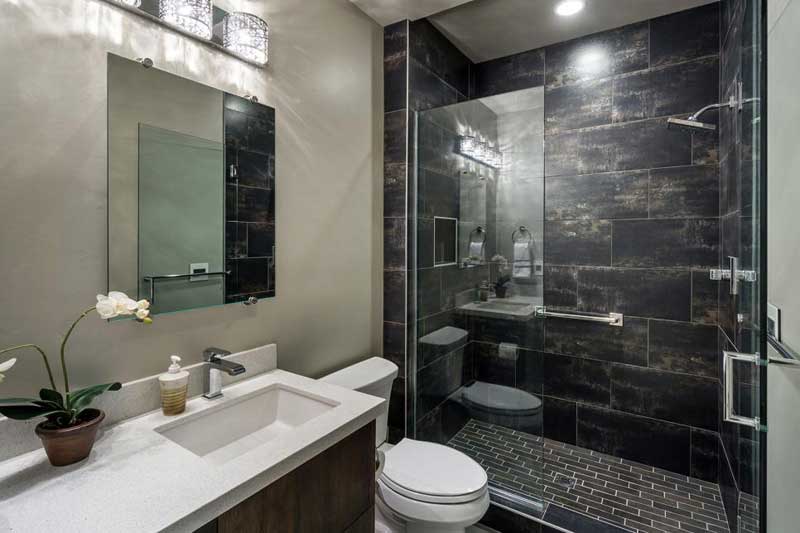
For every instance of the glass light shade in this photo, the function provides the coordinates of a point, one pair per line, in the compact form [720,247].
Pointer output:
[467,146]
[132,3]
[194,16]
[247,35]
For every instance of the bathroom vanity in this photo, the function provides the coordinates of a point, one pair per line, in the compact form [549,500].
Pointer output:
[277,452]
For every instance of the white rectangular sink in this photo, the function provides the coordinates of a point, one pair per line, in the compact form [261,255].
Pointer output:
[508,308]
[238,425]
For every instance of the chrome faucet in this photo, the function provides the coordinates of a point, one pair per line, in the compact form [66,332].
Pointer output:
[212,379]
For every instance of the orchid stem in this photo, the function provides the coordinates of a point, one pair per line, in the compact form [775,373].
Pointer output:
[44,358]
[64,345]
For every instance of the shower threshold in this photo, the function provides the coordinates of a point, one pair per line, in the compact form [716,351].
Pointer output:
[541,478]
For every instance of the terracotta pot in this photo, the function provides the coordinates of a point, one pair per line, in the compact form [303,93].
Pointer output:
[65,446]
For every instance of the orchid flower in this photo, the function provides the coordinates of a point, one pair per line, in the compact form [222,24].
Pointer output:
[5,367]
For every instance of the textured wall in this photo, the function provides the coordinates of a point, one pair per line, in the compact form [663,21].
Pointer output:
[323,80]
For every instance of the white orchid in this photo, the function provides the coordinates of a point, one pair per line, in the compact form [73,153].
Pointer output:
[141,314]
[5,367]
[117,304]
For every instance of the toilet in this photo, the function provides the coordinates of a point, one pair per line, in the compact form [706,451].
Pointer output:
[504,406]
[423,486]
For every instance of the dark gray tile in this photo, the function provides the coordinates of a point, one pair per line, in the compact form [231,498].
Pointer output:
[705,147]
[438,380]
[577,242]
[432,49]
[684,192]
[705,451]
[627,344]
[394,164]
[261,239]
[490,367]
[395,43]
[673,90]
[705,298]
[678,398]
[394,243]
[598,56]
[528,334]
[394,296]
[613,195]
[252,275]
[578,523]
[429,292]
[577,379]
[628,146]
[637,438]
[560,287]
[666,243]
[235,240]
[397,405]
[500,519]
[529,371]
[684,347]
[394,345]
[560,418]
[685,35]
[255,205]
[509,73]
[427,90]
[578,105]
[424,243]
[645,293]
[439,195]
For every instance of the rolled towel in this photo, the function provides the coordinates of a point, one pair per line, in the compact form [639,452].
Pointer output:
[523,260]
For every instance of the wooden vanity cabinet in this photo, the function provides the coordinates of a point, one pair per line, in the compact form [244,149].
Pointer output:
[331,493]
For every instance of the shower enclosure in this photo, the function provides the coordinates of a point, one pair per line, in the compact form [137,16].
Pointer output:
[583,277]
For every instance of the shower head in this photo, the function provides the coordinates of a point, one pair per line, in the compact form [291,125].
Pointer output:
[690,124]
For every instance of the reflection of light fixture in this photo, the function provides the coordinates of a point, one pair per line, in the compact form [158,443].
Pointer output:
[567,8]
[132,3]
[247,35]
[194,16]
[482,152]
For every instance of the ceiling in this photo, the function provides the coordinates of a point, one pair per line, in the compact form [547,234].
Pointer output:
[385,12]
[487,29]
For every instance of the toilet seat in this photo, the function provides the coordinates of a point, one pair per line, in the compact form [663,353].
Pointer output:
[500,399]
[433,473]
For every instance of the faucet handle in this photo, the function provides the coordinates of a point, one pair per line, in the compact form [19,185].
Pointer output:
[209,354]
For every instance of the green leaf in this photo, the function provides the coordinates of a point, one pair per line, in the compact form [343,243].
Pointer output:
[26,412]
[52,396]
[80,399]
[51,405]
[17,401]
[61,419]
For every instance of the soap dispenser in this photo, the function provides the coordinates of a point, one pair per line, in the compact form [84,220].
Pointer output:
[174,386]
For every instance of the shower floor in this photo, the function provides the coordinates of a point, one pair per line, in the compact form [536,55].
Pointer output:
[606,488]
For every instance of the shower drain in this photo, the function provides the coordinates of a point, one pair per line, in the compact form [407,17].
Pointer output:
[564,482]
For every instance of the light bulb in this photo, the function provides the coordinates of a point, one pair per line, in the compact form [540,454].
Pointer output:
[567,8]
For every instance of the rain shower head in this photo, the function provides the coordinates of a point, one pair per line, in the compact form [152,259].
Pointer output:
[690,124]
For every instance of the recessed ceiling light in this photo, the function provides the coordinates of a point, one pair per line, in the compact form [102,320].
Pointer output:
[568,8]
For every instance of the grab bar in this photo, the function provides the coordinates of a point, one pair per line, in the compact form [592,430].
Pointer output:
[152,279]
[613,319]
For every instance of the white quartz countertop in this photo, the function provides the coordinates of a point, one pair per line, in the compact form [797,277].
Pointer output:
[137,480]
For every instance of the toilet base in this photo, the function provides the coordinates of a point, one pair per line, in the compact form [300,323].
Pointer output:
[385,523]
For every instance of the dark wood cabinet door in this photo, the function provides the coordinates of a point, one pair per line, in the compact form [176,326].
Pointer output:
[333,492]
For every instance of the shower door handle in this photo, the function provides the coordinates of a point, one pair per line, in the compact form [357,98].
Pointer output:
[727,375]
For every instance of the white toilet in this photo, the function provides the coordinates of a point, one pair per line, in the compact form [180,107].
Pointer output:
[424,487]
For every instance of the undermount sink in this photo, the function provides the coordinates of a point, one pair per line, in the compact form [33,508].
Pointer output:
[238,425]
[516,309]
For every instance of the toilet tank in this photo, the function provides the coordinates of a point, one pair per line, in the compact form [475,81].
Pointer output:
[374,377]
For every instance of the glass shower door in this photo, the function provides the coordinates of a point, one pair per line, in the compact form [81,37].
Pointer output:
[478,231]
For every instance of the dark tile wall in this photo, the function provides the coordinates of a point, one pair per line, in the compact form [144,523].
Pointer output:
[632,225]
[249,199]
[631,222]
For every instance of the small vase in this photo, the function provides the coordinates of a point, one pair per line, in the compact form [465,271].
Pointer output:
[65,446]
[500,292]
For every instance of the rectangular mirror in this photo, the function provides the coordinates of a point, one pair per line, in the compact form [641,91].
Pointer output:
[191,180]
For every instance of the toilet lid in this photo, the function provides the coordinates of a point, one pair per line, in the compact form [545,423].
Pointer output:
[492,397]
[429,472]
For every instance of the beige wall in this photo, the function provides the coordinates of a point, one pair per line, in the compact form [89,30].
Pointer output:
[324,79]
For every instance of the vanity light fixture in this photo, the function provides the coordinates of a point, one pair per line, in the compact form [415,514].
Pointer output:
[193,16]
[246,35]
[567,8]
[132,3]
[483,153]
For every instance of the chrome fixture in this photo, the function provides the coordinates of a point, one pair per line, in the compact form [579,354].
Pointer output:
[246,35]
[252,300]
[482,152]
[612,319]
[132,3]
[212,378]
[193,16]
[693,123]
[727,373]
[251,98]
[145,61]
[733,274]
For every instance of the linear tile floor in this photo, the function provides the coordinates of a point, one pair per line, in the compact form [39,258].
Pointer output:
[609,489]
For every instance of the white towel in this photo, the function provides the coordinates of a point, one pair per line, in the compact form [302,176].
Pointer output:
[476,250]
[523,260]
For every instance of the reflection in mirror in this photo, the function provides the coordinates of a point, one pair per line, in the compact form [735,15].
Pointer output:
[191,191]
